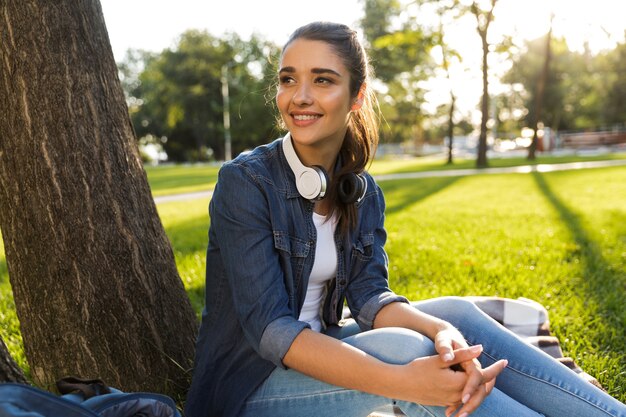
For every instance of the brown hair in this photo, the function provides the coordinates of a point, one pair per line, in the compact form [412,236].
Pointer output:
[361,140]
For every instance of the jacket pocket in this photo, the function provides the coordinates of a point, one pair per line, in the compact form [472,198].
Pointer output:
[292,246]
[364,246]
[293,254]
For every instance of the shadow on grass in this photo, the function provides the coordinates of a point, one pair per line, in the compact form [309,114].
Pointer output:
[196,297]
[190,238]
[601,279]
[601,282]
[402,193]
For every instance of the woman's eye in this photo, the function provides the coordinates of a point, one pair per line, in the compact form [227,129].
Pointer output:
[323,80]
[286,80]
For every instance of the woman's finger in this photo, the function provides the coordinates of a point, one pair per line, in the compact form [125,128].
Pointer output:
[443,346]
[464,355]
[447,341]
[489,385]
[479,386]
[475,380]
[450,409]
[494,370]
[473,402]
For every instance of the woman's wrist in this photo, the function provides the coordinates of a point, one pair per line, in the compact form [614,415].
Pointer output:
[437,326]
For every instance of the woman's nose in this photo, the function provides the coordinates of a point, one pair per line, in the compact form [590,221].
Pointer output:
[303,96]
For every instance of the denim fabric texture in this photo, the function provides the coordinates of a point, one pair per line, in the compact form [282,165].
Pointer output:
[260,254]
[532,385]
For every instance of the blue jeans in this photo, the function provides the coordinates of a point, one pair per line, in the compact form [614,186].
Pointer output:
[533,384]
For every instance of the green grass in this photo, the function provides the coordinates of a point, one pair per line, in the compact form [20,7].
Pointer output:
[178,179]
[558,238]
[187,225]
[9,323]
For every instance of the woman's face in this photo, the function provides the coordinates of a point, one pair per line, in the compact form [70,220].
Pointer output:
[314,94]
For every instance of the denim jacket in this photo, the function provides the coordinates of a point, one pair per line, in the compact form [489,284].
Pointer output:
[260,254]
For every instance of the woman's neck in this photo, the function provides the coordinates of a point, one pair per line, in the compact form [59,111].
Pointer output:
[323,154]
[322,207]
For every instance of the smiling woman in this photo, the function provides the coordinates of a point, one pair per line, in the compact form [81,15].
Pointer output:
[281,264]
[314,102]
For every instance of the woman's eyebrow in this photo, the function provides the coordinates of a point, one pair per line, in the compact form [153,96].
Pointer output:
[291,70]
[287,69]
[325,71]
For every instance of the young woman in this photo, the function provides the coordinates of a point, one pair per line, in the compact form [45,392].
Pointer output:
[297,230]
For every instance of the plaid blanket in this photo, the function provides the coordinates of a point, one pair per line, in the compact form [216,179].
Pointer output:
[529,320]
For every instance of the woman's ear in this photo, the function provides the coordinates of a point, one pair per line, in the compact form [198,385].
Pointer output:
[360,98]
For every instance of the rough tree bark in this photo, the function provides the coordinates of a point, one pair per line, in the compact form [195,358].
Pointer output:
[96,288]
[9,371]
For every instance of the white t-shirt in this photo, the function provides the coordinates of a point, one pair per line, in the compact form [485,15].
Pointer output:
[324,269]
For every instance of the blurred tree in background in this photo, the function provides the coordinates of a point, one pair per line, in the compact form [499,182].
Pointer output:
[583,90]
[613,68]
[399,48]
[175,96]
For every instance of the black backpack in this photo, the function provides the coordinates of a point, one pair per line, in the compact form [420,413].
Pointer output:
[82,398]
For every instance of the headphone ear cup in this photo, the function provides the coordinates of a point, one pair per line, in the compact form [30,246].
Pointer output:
[312,182]
[351,188]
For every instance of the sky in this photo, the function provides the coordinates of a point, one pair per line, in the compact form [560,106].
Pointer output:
[155,25]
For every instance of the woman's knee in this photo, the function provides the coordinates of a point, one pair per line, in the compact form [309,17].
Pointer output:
[455,310]
[393,344]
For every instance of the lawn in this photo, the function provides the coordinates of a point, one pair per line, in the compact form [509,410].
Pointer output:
[559,238]
[178,179]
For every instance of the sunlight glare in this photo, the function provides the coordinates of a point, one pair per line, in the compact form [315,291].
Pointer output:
[577,21]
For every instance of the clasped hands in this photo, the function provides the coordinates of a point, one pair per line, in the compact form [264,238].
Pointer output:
[454,378]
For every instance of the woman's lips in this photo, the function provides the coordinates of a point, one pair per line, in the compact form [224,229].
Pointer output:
[302,120]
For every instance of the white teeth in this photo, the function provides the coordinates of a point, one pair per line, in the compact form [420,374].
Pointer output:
[305,117]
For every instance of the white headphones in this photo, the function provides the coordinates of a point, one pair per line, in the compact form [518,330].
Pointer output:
[312,182]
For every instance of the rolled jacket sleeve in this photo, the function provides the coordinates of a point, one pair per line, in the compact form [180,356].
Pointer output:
[278,337]
[373,306]
[242,229]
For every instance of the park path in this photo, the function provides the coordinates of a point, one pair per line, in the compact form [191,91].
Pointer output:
[523,169]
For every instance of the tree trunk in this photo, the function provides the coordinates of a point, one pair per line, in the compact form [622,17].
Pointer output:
[9,371]
[481,160]
[451,128]
[446,66]
[539,93]
[96,288]
[483,20]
